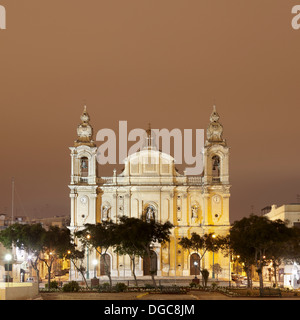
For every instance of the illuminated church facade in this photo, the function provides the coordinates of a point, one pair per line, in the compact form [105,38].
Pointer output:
[155,189]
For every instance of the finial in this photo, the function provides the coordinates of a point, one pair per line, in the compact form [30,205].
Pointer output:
[215,129]
[214,116]
[85,116]
[84,130]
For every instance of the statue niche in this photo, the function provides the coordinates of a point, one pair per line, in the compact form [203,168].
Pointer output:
[149,213]
[106,212]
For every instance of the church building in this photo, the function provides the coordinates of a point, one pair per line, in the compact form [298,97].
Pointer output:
[157,190]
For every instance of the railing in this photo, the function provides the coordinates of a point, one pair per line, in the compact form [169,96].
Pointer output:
[151,180]
[194,180]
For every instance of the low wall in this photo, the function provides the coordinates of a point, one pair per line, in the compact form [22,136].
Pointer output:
[18,291]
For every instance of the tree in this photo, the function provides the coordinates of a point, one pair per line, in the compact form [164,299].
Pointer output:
[208,242]
[128,232]
[239,245]
[136,237]
[283,245]
[29,237]
[257,240]
[56,241]
[217,269]
[152,232]
[77,257]
[101,237]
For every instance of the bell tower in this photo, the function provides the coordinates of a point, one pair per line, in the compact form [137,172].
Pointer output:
[83,185]
[216,174]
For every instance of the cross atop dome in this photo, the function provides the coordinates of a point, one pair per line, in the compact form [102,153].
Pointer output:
[149,141]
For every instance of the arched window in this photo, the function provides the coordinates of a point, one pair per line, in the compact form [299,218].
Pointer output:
[150,264]
[216,168]
[195,264]
[84,167]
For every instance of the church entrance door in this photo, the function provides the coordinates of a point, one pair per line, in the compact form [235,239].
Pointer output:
[195,264]
[150,264]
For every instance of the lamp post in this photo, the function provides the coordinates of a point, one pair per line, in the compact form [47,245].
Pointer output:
[70,270]
[213,265]
[8,258]
[195,280]
[87,258]
[196,265]
[95,262]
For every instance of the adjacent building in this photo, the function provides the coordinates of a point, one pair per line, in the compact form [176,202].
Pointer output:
[289,274]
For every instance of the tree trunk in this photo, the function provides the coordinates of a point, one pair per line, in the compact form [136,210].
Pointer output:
[153,279]
[106,268]
[152,272]
[260,275]
[133,270]
[35,267]
[259,267]
[49,276]
[81,272]
[109,277]
[275,273]
[249,280]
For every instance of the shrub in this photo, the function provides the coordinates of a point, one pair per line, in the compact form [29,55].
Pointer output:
[72,286]
[214,285]
[106,285]
[120,287]
[53,285]
[205,275]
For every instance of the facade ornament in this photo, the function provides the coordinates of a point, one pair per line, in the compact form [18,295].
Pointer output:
[105,212]
[194,211]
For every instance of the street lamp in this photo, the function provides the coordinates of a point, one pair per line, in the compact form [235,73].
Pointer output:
[8,257]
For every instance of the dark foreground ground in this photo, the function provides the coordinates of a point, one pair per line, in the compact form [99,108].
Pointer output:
[192,295]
